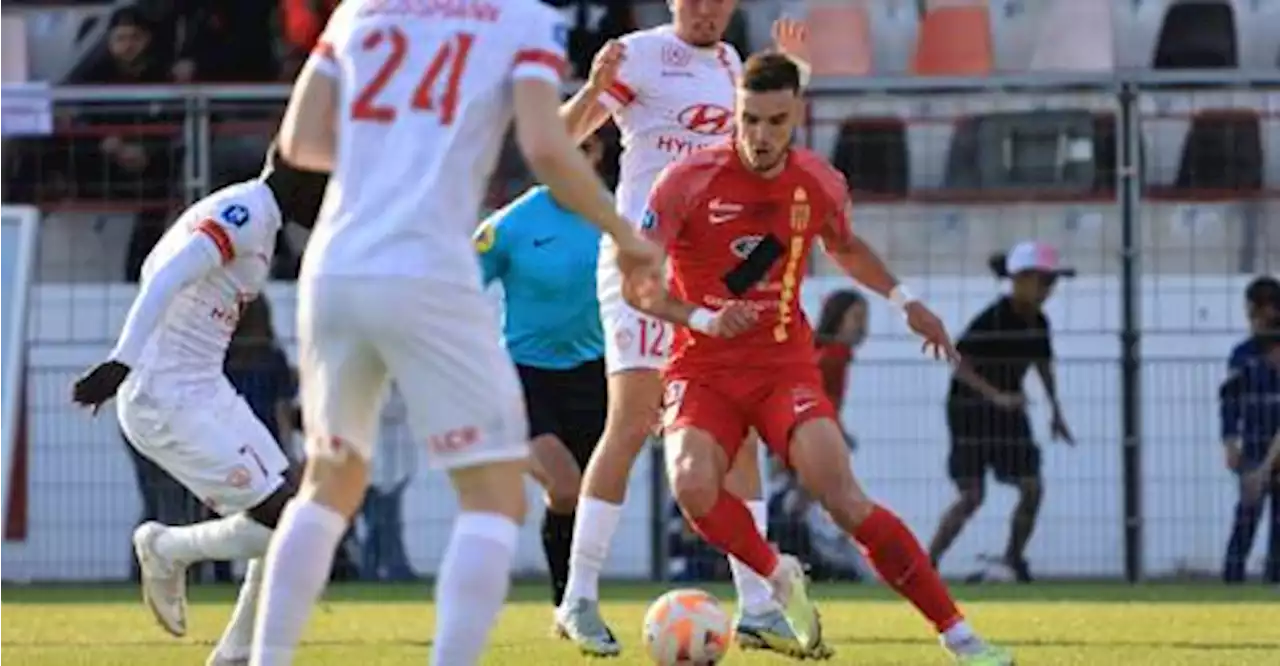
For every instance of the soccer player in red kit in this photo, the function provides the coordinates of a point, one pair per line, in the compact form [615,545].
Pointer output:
[738,222]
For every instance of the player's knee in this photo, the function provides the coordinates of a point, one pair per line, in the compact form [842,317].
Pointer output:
[562,492]
[339,484]
[694,483]
[1030,491]
[970,500]
[496,487]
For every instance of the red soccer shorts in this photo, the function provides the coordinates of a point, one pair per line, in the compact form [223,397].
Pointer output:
[727,405]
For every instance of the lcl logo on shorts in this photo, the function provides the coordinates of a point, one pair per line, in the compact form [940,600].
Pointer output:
[455,440]
[671,401]
[239,477]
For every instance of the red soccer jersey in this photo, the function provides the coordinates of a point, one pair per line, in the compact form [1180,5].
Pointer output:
[709,211]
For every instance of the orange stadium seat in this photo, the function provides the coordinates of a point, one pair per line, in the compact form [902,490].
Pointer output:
[840,39]
[955,39]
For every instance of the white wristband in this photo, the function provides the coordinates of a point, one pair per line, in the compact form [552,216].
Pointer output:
[900,296]
[701,319]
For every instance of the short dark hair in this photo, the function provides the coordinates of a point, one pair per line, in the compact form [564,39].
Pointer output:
[770,72]
[834,308]
[1263,291]
[131,17]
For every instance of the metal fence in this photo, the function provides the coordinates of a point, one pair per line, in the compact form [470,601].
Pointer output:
[1163,243]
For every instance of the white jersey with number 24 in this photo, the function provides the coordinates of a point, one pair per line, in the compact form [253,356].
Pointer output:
[424,105]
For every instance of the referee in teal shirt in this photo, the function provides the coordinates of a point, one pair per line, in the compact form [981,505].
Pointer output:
[545,258]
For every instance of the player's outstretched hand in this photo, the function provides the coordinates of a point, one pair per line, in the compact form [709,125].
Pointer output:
[99,384]
[734,319]
[605,65]
[792,38]
[937,343]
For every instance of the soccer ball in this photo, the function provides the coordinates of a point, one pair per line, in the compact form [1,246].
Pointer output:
[992,570]
[686,628]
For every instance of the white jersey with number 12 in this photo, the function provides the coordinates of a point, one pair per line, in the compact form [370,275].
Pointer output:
[424,105]
[670,100]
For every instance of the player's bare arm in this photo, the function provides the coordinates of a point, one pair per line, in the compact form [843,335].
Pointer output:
[862,263]
[308,132]
[583,114]
[189,264]
[555,160]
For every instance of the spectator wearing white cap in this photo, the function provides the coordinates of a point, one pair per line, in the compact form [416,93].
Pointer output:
[986,405]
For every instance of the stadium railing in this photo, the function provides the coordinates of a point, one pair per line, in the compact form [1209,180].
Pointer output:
[1160,188]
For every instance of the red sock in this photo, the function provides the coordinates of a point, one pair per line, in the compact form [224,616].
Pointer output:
[729,527]
[905,567]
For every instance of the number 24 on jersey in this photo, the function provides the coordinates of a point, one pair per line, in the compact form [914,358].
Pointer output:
[449,63]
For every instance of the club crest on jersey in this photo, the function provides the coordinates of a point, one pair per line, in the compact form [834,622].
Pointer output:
[485,237]
[236,215]
[742,246]
[561,34]
[800,210]
[674,55]
[650,221]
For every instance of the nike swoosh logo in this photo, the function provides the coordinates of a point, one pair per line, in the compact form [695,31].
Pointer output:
[803,407]
[717,218]
[539,242]
[719,206]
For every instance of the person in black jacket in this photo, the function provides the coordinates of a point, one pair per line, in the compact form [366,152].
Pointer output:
[986,405]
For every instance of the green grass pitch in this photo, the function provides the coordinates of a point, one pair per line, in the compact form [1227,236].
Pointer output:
[1058,624]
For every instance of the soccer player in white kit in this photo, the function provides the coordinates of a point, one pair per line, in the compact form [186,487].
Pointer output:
[407,105]
[176,406]
[671,91]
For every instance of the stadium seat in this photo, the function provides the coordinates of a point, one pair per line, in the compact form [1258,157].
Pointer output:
[840,39]
[1223,152]
[955,40]
[872,154]
[1198,34]
[1074,36]
[13,49]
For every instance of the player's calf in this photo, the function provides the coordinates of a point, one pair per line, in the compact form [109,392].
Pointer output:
[634,396]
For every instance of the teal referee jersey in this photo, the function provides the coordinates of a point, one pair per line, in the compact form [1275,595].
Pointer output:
[545,258]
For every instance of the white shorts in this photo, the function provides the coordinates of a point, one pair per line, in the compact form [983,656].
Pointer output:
[218,449]
[440,343]
[632,339]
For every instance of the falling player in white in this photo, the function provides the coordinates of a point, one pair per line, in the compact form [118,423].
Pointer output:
[407,104]
[178,409]
[671,91]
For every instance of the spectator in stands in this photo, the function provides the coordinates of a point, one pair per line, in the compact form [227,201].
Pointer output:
[1250,409]
[230,41]
[842,327]
[117,163]
[592,23]
[302,22]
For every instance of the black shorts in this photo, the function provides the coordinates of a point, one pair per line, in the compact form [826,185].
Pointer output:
[985,438]
[570,404]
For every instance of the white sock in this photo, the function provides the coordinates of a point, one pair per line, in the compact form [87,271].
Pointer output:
[297,568]
[474,577]
[592,535]
[754,592]
[238,636]
[959,634]
[236,537]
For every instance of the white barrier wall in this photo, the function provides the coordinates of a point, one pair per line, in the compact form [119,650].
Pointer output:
[83,501]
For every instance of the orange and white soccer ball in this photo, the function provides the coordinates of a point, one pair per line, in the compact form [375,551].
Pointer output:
[686,628]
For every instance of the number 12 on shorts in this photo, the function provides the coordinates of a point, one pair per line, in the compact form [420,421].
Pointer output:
[450,60]
[653,337]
